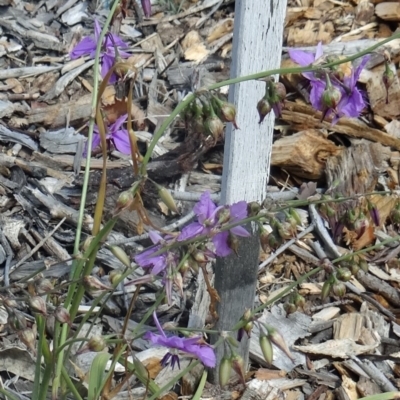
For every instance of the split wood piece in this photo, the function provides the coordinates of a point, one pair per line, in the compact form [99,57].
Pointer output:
[356,168]
[303,116]
[384,104]
[388,11]
[304,154]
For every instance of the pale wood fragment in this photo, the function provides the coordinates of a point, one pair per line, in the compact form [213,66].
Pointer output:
[388,11]
[304,154]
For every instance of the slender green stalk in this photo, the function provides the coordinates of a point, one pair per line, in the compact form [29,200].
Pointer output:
[9,395]
[279,71]
[96,75]
[38,367]
[45,383]
[200,388]
[70,384]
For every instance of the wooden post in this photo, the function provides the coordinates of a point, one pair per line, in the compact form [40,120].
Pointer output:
[257,46]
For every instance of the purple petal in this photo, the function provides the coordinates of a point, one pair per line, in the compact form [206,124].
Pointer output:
[155,237]
[220,241]
[157,322]
[238,211]
[146,5]
[118,123]
[192,230]
[205,207]
[85,47]
[240,231]
[95,143]
[97,30]
[317,88]
[204,353]
[358,70]
[318,51]
[106,64]
[301,57]
[352,106]
[121,141]
[112,39]
[159,264]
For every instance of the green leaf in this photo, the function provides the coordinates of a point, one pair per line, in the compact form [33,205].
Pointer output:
[96,375]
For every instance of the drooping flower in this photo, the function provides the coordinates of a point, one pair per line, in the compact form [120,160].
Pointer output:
[116,133]
[209,223]
[352,100]
[193,346]
[148,259]
[87,46]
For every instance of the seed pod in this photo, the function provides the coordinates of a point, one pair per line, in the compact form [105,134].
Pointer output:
[280,90]
[299,300]
[125,200]
[10,303]
[225,368]
[120,254]
[166,196]
[276,338]
[331,95]
[267,349]
[199,256]
[223,215]
[248,328]
[37,304]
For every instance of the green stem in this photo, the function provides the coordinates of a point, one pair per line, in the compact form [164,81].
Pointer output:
[38,367]
[95,93]
[200,388]
[259,75]
[70,384]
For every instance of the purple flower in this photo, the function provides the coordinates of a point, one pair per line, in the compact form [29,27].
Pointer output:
[146,5]
[116,133]
[87,46]
[148,259]
[193,346]
[208,223]
[352,101]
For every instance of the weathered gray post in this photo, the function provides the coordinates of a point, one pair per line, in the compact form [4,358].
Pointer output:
[257,46]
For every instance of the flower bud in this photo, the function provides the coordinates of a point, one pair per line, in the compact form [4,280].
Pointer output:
[354,268]
[233,243]
[214,126]
[326,288]
[225,371]
[199,256]
[228,113]
[194,266]
[96,343]
[363,265]
[238,367]
[253,208]
[223,215]
[343,274]
[374,213]
[387,78]
[289,307]
[62,315]
[146,5]
[280,90]
[299,300]
[264,107]
[339,289]
[267,349]
[248,328]
[28,337]
[331,97]
[115,276]
[16,320]
[37,304]
[125,200]
[120,254]
[10,303]
[43,286]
